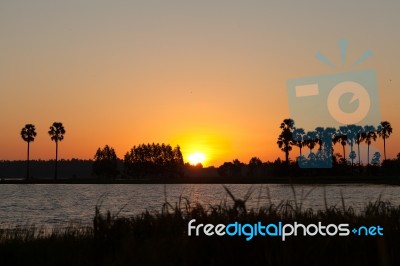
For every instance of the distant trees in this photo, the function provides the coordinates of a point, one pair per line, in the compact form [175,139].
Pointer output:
[237,167]
[351,132]
[360,136]
[28,134]
[384,131]
[105,162]
[369,136]
[161,159]
[285,139]
[234,168]
[225,169]
[342,138]
[376,159]
[298,138]
[255,164]
[345,135]
[310,139]
[320,136]
[56,133]
[154,160]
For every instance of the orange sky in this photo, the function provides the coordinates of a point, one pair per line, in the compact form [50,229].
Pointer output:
[209,76]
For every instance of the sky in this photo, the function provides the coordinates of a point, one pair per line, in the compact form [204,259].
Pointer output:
[209,76]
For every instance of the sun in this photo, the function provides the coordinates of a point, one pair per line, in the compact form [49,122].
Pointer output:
[196,158]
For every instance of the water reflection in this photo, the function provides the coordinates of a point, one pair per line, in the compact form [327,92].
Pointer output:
[58,205]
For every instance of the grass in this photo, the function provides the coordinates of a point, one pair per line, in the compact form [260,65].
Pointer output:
[161,238]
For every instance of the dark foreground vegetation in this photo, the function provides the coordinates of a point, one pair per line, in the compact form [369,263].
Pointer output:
[162,239]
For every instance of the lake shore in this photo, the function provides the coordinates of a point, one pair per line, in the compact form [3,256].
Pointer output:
[164,238]
[390,180]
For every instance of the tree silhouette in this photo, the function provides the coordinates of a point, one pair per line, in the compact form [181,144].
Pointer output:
[310,139]
[360,136]
[237,167]
[254,164]
[285,139]
[341,137]
[105,162]
[320,134]
[369,136]
[352,156]
[376,159]
[154,160]
[28,134]
[351,132]
[56,133]
[225,169]
[298,138]
[328,136]
[384,131]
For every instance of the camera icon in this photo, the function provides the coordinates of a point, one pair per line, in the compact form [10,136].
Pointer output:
[332,101]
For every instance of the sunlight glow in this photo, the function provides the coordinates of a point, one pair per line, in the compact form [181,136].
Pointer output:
[197,157]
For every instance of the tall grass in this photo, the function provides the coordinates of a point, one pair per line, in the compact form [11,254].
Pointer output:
[162,239]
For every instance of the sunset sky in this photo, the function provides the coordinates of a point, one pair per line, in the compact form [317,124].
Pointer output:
[207,75]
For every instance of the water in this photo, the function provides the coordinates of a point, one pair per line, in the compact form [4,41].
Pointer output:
[59,205]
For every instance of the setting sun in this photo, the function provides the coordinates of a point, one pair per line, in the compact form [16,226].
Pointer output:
[196,158]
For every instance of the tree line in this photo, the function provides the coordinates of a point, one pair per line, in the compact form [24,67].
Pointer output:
[156,160]
[141,161]
[144,160]
[351,135]
[73,168]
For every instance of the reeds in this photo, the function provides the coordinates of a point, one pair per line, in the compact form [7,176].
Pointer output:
[161,238]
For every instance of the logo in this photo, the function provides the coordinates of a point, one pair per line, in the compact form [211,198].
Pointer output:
[358,92]
[329,102]
[279,229]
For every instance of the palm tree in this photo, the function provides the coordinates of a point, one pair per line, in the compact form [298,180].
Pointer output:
[310,140]
[56,133]
[28,134]
[298,138]
[285,139]
[320,135]
[359,138]
[369,136]
[328,137]
[341,137]
[384,131]
[352,131]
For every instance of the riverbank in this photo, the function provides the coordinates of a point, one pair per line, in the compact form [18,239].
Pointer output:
[163,238]
[390,180]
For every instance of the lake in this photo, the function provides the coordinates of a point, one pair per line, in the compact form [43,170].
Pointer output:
[59,205]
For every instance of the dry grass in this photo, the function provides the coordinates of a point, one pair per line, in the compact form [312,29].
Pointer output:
[161,239]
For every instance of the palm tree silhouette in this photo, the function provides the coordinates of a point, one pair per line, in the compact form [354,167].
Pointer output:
[285,139]
[328,136]
[351,133]
[28,134]
[384,131]
[360,136]
[310,140]
[341,137]
[320,133]
[369,136]
[298,136]
[56,133]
